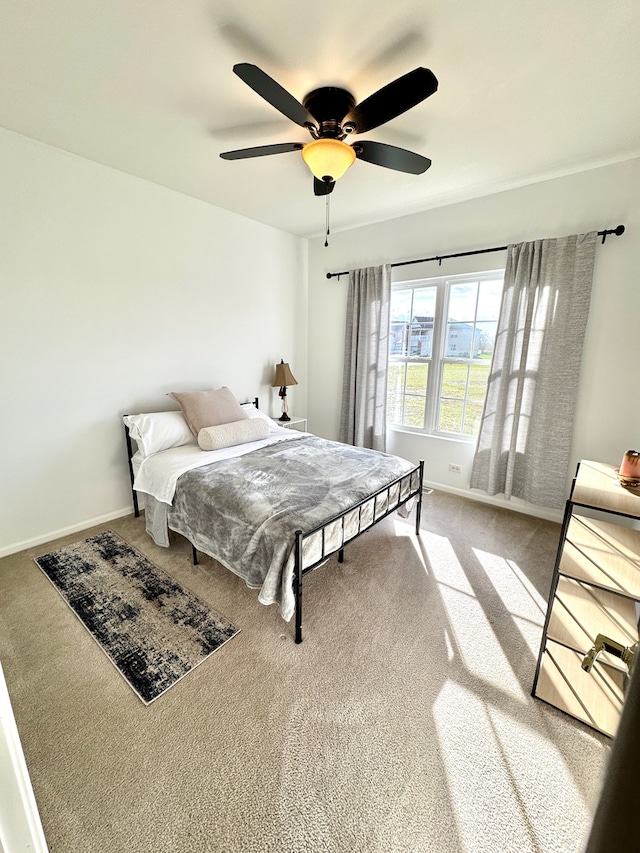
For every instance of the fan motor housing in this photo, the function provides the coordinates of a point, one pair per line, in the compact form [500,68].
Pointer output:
[329,105]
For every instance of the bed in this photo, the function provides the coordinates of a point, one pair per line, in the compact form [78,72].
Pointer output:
[258,506]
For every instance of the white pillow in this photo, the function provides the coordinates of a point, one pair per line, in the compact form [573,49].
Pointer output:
[228,435]
[158,431]
[252,412]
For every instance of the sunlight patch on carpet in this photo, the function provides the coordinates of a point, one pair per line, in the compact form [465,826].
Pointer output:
[517,592]
[490,785]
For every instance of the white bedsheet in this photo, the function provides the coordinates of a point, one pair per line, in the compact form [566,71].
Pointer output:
[157,474]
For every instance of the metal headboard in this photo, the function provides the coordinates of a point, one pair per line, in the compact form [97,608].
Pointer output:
[136,508]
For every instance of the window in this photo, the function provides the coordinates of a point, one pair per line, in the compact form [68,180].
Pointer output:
[441,342]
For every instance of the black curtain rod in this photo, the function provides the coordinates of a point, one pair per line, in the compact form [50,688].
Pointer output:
[617,231]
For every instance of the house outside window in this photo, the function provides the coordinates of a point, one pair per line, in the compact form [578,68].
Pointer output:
[441,343]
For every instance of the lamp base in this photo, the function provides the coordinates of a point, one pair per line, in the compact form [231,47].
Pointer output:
[284,417]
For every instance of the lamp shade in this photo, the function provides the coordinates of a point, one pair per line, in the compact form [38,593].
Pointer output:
[328,158]
[283,376]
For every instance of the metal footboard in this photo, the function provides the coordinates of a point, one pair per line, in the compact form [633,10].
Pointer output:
[382,503]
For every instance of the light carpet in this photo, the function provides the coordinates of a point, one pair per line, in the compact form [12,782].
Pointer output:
[403,722]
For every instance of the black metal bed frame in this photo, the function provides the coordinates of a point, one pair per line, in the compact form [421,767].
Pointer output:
[409,487]
[414,491]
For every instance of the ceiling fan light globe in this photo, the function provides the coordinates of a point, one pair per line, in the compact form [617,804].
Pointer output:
[328,158]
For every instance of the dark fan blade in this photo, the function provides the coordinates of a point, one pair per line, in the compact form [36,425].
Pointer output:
[273,93]
[391,157]
[393,99]
[322,187]
[262,150]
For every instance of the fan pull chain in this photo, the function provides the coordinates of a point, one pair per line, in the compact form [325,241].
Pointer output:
[327,232]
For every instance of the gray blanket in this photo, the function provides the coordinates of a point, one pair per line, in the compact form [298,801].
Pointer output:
[244,512]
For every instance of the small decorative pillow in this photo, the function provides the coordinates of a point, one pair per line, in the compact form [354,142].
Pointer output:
[228,435]
[208,408]
[156,431]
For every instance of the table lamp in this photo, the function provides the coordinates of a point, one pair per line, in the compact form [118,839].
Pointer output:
[282,379]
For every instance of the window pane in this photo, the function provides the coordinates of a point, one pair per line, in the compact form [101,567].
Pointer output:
[421,336]
[462,302]
[395,390]
[401,302]
[489,300]
[478,378]
[485,340]
[472,415]
[416,391]
[414,411]
[454,380]
[417,378]
[424,309]
[459,340]
[424,301]
[450,416]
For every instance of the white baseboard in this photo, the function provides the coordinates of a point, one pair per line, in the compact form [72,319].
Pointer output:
[65,531]
[514,505]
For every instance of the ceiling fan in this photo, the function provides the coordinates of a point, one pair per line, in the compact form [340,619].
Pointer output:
[330,114]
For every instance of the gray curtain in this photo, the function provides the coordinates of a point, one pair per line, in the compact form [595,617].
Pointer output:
[366,355]
[527,424]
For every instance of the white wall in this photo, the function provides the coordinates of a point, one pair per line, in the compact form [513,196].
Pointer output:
[114,291]
[608,411]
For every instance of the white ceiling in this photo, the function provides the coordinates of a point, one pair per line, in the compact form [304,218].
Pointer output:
[528,90]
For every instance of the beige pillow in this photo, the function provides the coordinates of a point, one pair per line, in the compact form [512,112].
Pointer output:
[208,408]
[228,435]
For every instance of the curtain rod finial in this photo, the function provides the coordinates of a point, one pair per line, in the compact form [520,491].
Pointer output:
[617,231]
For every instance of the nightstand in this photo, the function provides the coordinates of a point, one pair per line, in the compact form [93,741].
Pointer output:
[294,423]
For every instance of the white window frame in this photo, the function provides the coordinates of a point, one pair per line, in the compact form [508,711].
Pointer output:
[438,359]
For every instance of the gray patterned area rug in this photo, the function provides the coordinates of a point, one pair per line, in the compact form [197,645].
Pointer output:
[152,629]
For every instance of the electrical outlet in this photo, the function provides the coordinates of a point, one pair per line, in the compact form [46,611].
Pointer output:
[457,469]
